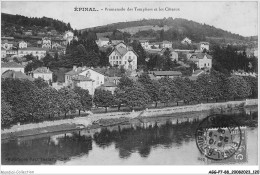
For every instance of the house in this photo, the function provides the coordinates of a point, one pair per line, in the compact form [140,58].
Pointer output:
[16,75]
[28,33]
[55,46]
[11,52]
[155,45]
[83,82]
[125,56]
[3,52]
[35,51]
[161,74]
[54,32]
[11,66]
[186,41]
[202,60]
[46,43]
[173,54]
[145,44]
[22,44]
[108,86]
[203,45]
[102,42]
[90,75]
[166,44]
[68,36]
[7,44]
[44,73]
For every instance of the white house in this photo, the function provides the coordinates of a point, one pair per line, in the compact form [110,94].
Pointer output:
[22,44]
[81,76]
[202,60]
[68,36]
[102,42]
[11,66]
[166,44]
[46,43]
[35,51]
[42,72]
[173,55]
[203,45]
[145,44]
[11,52]
[7,44]
[186,41]
[122,55]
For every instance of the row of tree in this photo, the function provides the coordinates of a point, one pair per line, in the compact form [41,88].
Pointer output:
[26,101]
[209,86]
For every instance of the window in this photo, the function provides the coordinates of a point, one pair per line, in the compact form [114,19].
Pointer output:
[125,62]
[205,65]
[129,57]
[119,62]
[113,57]
[116,57]
[116,62]
[208,64]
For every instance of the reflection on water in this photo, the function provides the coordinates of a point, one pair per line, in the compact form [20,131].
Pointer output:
[165,140]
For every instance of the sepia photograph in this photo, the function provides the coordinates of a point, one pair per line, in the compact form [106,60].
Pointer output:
[124,84]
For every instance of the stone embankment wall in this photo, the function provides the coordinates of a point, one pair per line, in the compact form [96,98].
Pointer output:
[199,107]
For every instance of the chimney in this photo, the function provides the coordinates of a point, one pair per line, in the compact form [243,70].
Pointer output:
[74,67]
[13,75]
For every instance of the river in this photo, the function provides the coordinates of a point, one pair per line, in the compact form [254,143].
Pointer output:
[152,141]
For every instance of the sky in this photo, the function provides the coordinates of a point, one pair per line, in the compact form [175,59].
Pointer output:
[240,17]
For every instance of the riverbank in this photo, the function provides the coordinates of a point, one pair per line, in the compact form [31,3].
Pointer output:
[87,121]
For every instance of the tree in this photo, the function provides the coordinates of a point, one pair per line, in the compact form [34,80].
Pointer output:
[252,81]
[120,97]
[6,113]
[238,87]
[103,98]
[85,99]
[125,82]
[69,100]
[152,87]
[136,96]
[164,94]
[40,83]
[23,96]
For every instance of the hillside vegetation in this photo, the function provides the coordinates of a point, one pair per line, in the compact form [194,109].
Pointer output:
[178,29]
[18,24]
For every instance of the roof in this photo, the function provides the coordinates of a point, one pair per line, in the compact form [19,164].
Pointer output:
[111,79]
[2,49]
[11,64]
[16,74]
[122,50]
[104,39]
[42,70]
[81,78]
[201,55]
[203,42]
[197,72]
[166,73]
[33,48]
[79,70]
[109,84]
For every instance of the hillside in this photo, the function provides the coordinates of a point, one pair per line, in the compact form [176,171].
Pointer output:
[17,24]
[170,29]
